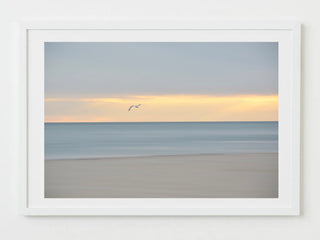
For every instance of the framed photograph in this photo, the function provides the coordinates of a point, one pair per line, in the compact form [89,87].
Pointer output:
[160,117]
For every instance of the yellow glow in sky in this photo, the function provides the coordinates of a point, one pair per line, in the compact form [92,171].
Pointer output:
[163,108]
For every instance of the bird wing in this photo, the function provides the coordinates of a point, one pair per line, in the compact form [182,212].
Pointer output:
[138,105]
[130,107]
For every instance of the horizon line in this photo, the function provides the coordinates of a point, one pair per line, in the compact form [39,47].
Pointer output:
[168,121]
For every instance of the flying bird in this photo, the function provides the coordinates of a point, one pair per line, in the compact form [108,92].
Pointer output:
[134,106]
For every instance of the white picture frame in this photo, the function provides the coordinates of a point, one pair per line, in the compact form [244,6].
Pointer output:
[34,33]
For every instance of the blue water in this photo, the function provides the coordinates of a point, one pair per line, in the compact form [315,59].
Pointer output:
[95,140]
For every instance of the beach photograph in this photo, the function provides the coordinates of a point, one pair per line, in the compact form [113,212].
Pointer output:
[161,120]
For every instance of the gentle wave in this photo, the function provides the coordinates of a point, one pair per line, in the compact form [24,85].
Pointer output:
[98,140]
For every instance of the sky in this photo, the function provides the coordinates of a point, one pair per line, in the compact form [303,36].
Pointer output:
[174,81]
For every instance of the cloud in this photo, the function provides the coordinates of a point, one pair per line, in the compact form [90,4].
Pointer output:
[160,68]
[164,108]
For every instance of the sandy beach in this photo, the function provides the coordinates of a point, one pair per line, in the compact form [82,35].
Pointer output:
[190,176]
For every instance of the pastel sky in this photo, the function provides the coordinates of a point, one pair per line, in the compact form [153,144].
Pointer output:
[97,82]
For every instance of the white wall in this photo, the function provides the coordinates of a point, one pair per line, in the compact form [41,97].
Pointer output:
[307,226]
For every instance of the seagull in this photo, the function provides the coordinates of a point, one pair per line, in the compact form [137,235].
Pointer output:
[134,106]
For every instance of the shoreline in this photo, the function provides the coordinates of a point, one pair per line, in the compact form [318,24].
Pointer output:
[152,156]
[244,175]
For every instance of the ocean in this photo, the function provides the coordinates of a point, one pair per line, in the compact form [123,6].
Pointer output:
[99,140]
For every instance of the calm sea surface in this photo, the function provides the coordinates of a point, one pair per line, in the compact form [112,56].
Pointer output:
[95,140]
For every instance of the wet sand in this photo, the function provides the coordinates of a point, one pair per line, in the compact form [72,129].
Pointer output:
[190,176]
